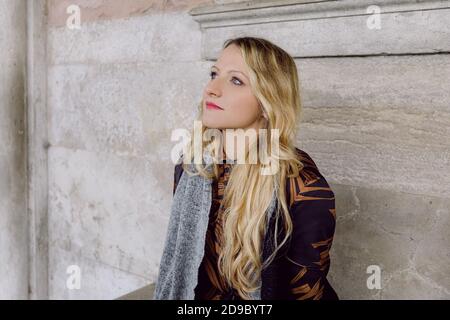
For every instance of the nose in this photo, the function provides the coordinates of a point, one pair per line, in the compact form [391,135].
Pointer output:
[213,88]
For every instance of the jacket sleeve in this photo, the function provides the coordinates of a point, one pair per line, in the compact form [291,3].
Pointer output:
[312,209]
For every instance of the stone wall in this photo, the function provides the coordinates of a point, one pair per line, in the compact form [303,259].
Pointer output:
[376,120]
[374,77]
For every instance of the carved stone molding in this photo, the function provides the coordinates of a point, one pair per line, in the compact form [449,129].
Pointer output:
[331,28]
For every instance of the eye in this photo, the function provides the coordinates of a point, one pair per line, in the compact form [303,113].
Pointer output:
[238,83]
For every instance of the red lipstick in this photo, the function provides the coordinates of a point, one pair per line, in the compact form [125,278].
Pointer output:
[212,106]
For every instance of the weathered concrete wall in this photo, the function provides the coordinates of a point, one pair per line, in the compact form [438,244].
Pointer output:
[376,120]
[116,90]
[13,213]
[380,127]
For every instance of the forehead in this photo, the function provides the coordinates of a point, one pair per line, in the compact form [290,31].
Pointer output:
[231,58]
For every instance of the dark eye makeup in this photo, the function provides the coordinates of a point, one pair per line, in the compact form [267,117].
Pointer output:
[234,78]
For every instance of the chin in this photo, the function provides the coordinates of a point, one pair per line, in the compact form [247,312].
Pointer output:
[212,123]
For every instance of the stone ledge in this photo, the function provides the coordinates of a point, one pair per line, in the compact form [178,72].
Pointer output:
[251,12]
[330,28]
[144,293]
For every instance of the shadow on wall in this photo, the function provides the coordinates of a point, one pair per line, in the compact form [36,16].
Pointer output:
[144,293]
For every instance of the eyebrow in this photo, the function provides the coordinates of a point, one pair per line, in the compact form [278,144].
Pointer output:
[214,66]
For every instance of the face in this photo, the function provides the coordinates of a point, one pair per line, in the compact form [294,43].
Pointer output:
[229,88]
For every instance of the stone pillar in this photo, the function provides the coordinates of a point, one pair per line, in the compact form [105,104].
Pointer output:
[37,147]
[13,213]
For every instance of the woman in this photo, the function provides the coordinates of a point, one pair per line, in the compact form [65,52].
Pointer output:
[235,233]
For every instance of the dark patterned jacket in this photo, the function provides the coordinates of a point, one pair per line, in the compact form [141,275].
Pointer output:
[299,269]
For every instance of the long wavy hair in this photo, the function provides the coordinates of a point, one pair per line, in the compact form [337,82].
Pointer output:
[247,196]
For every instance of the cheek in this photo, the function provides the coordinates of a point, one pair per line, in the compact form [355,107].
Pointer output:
[245,107]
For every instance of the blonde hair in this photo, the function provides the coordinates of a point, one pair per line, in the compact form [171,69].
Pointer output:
[274,82]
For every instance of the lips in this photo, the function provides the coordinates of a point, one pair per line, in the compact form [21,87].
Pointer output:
[211,105]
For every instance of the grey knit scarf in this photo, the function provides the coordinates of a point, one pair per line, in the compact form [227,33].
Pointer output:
[185,241]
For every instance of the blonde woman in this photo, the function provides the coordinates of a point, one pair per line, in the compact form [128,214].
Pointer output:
[235,233]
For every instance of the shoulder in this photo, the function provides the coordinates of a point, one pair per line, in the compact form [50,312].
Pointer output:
[310,185]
